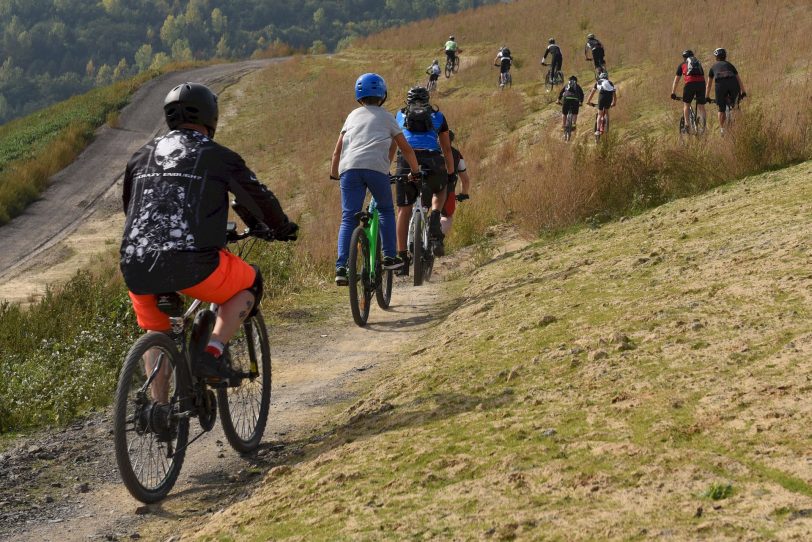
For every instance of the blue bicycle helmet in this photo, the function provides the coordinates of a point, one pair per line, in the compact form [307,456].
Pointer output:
[370,85]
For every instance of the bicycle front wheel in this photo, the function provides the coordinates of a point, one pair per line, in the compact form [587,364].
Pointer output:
[358,276]
[244,409]
[148,436]
[417,256]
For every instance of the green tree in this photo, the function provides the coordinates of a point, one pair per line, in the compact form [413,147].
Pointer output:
[181,52]
[318,48]
[122,70]
[159,61]
[219,22]
[105,75]
[222,50]
[143,57]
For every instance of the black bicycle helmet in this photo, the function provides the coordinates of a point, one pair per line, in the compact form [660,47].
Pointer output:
[417,95]
[191,103]
[720,53]
[687,53]
[551,41]
[573,78]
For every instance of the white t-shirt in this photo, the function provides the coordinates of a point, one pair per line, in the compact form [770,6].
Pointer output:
[368,133]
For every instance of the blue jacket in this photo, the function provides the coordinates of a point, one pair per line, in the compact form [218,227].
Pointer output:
[429,141]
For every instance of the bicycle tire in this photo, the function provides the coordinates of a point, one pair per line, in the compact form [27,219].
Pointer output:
[358,276]
[383,290]
[456,67]
[568,127]
[549,80]
[132,363]
[417,256]
[448,69]
[243,437]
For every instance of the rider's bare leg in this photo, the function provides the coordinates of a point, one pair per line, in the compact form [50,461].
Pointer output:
[438,201]
[686,108]
[231,315]
[700,113]
[159,389]
[402,227]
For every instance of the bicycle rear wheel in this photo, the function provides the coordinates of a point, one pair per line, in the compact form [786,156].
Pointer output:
[149,439]
[383,291]
[568,128]
[448,68]
[417,250]
[244,409]
[549,80]
[358,276]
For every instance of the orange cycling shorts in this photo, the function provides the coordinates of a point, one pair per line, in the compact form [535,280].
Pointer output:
[231,276]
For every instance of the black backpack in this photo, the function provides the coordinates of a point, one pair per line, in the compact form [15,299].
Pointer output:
[693,66]
[418,118]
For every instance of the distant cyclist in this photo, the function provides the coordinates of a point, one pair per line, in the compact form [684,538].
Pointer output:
[451,49]
[434,72]
[426,131]
[691,69]
[557,58]
[607,97]
[361,161]
[504,60]
[595,48]
[572,98]
[729,86]
[461,173]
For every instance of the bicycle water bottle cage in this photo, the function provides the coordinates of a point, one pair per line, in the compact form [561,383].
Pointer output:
[170,304]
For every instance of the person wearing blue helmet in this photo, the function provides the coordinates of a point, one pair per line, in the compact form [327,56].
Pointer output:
[361,161]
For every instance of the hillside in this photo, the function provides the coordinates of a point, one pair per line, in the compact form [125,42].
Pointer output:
[640,366]
[606,384]
[51,50]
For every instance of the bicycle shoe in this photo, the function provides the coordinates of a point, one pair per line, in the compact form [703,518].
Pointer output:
[215,371]
[390,262]
[341,276]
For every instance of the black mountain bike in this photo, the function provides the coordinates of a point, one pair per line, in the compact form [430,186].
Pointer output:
[552,78]
[569,125]
[158,393]
[696,125]
[452,66]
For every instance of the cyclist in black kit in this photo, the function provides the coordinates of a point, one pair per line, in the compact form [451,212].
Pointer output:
[558,58]
[175,199]
[729,86]
[571,98]
[596,48]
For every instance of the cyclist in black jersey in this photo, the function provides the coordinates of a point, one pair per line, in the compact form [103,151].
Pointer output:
[557,58]
[571,98]
[595,47]
[175,198]
[728,83]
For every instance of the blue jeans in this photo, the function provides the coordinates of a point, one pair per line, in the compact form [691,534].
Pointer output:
[354,184]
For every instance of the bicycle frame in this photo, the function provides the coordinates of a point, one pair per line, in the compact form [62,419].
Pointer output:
[418,209]
[372,228]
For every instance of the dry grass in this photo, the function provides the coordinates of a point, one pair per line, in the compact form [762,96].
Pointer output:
[521,171]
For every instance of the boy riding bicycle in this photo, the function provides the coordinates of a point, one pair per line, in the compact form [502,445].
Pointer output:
[555,52]
[434,72]
[504,61]
[361,161]
[451,50]
[175,199]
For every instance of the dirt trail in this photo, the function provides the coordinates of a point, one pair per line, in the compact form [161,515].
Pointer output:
[71,222]
[316,367]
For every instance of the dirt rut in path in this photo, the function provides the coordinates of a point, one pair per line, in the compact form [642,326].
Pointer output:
[64,485]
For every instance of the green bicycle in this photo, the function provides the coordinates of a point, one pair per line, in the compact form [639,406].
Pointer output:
[365,271]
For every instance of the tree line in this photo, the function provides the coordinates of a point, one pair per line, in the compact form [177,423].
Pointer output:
[53,49]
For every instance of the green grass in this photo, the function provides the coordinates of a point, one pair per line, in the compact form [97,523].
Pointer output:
[642,438]
[37,146]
